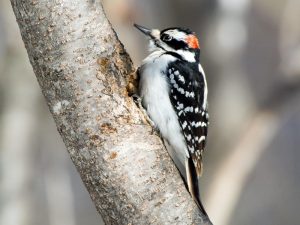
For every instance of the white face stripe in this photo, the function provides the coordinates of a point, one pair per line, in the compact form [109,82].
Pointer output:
[179,35]
[187,55]
[155,33]
[204,105]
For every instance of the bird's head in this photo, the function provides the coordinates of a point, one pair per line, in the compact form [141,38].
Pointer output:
[176,40]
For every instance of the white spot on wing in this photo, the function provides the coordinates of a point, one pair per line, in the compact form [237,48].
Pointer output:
[172,78]
[189,137]
[202,138]
[181,78]
[192,149]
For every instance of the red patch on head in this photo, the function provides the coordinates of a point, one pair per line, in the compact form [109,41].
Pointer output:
[192,41]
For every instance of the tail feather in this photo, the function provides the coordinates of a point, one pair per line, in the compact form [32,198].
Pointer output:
[193,183]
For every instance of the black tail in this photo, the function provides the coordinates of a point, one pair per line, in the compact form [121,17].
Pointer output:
[193,184]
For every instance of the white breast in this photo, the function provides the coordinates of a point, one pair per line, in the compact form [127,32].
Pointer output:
[154,91]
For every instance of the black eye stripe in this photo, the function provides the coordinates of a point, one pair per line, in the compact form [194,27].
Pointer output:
[166,37]
[175,44]
[172,42]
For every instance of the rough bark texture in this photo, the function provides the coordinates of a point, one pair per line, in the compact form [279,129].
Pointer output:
[82,69]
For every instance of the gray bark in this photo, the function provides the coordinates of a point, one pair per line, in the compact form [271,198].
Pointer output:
[83,69]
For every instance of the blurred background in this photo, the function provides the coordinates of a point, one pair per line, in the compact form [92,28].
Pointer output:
[251,55]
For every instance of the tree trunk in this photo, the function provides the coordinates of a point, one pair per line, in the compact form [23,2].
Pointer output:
[82,69]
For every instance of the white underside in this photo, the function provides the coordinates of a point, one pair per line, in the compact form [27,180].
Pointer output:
[154,91]
[204,105]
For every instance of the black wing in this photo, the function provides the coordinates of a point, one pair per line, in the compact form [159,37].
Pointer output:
[187,87]
[187,94]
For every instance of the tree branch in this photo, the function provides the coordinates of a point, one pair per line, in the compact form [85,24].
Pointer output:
[82,69]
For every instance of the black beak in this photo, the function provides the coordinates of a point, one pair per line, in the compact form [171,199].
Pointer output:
[143,29]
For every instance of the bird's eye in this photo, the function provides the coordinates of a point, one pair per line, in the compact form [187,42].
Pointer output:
[166,37]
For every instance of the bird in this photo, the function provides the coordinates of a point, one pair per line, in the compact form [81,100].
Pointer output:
[173,92]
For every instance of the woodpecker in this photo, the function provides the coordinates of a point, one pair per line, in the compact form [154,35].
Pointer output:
[173,92]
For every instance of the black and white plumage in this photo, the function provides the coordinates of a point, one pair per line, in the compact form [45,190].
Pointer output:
[173,91]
